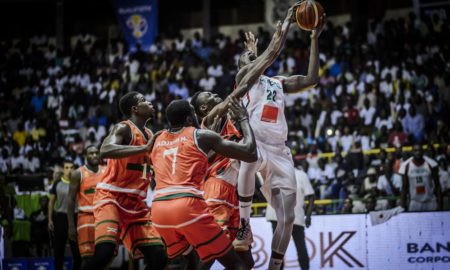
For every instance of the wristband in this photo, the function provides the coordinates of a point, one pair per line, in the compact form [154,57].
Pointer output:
[243,119]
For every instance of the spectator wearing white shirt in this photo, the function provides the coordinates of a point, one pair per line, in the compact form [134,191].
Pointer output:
[370,181]
[31,163]
[383,120]
[17,161]
[387,86]
[367,113]
[207,83]
[215,70]
[302,219]
[389,183]
[346,140]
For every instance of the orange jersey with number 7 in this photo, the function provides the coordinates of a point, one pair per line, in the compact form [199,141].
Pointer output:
[130,175]
[180,165]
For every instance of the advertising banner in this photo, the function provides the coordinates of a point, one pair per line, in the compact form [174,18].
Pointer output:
[405,241]
[138,20]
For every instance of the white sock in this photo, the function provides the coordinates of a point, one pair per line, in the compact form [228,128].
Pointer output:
[245,209]
[275,264]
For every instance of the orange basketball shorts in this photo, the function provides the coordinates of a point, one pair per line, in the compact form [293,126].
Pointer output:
[86,233]
[122,217]
[184,222]
[223,204]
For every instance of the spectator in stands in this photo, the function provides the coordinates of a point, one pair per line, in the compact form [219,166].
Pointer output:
[370,203]
[20,135]
[397,137]
[57,218]
[414,125]
[370,182]
[421,182]
[39,233]
[348,206]
[388,183]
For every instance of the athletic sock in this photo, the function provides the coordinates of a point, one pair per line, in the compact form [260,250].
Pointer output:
[245,209]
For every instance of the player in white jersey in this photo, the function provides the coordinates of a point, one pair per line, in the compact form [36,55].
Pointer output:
[421,182]
[265,105]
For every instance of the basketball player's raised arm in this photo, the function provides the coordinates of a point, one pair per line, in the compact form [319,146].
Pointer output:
[298,83]
[245,151]
[248,75]
[116,146]
[251,72]
[74,188]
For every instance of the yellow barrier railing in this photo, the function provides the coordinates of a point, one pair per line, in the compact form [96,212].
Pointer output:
[257,207]
[371,151]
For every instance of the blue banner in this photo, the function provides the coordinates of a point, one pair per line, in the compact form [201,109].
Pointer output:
[138,20]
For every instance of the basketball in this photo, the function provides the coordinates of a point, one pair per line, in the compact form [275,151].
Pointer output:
[308,15]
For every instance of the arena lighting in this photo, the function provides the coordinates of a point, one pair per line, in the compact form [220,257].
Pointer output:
[329,132]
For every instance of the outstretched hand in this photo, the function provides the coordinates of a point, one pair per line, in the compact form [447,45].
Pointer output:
[237,111]
[251,43]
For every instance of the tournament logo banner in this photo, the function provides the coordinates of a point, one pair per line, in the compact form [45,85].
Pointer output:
[138,21]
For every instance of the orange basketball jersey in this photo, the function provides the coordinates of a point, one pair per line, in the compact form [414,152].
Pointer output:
[130,175]
[220,163]
[88,182]
[179,165]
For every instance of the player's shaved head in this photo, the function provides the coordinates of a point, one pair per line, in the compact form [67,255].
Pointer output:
[177,112]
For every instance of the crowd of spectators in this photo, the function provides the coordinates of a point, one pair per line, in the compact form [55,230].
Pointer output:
[388,87]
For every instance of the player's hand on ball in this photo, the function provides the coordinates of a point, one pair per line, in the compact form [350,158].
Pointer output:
[291,12]
[316,32]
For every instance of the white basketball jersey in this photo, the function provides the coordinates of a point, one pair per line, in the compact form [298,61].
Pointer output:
[265,106]
[421,185]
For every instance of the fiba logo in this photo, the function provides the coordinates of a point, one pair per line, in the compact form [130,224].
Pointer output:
[138,25]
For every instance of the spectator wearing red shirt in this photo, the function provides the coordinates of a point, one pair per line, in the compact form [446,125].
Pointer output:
[397,137]
[351,114]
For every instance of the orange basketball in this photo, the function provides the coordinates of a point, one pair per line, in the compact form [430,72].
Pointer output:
[308,15]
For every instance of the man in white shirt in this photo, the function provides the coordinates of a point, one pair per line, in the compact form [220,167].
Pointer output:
[304,192]
[421,182]
[367,113]
[389,183]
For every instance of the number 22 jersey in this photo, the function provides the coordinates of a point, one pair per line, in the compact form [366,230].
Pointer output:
[265,106]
